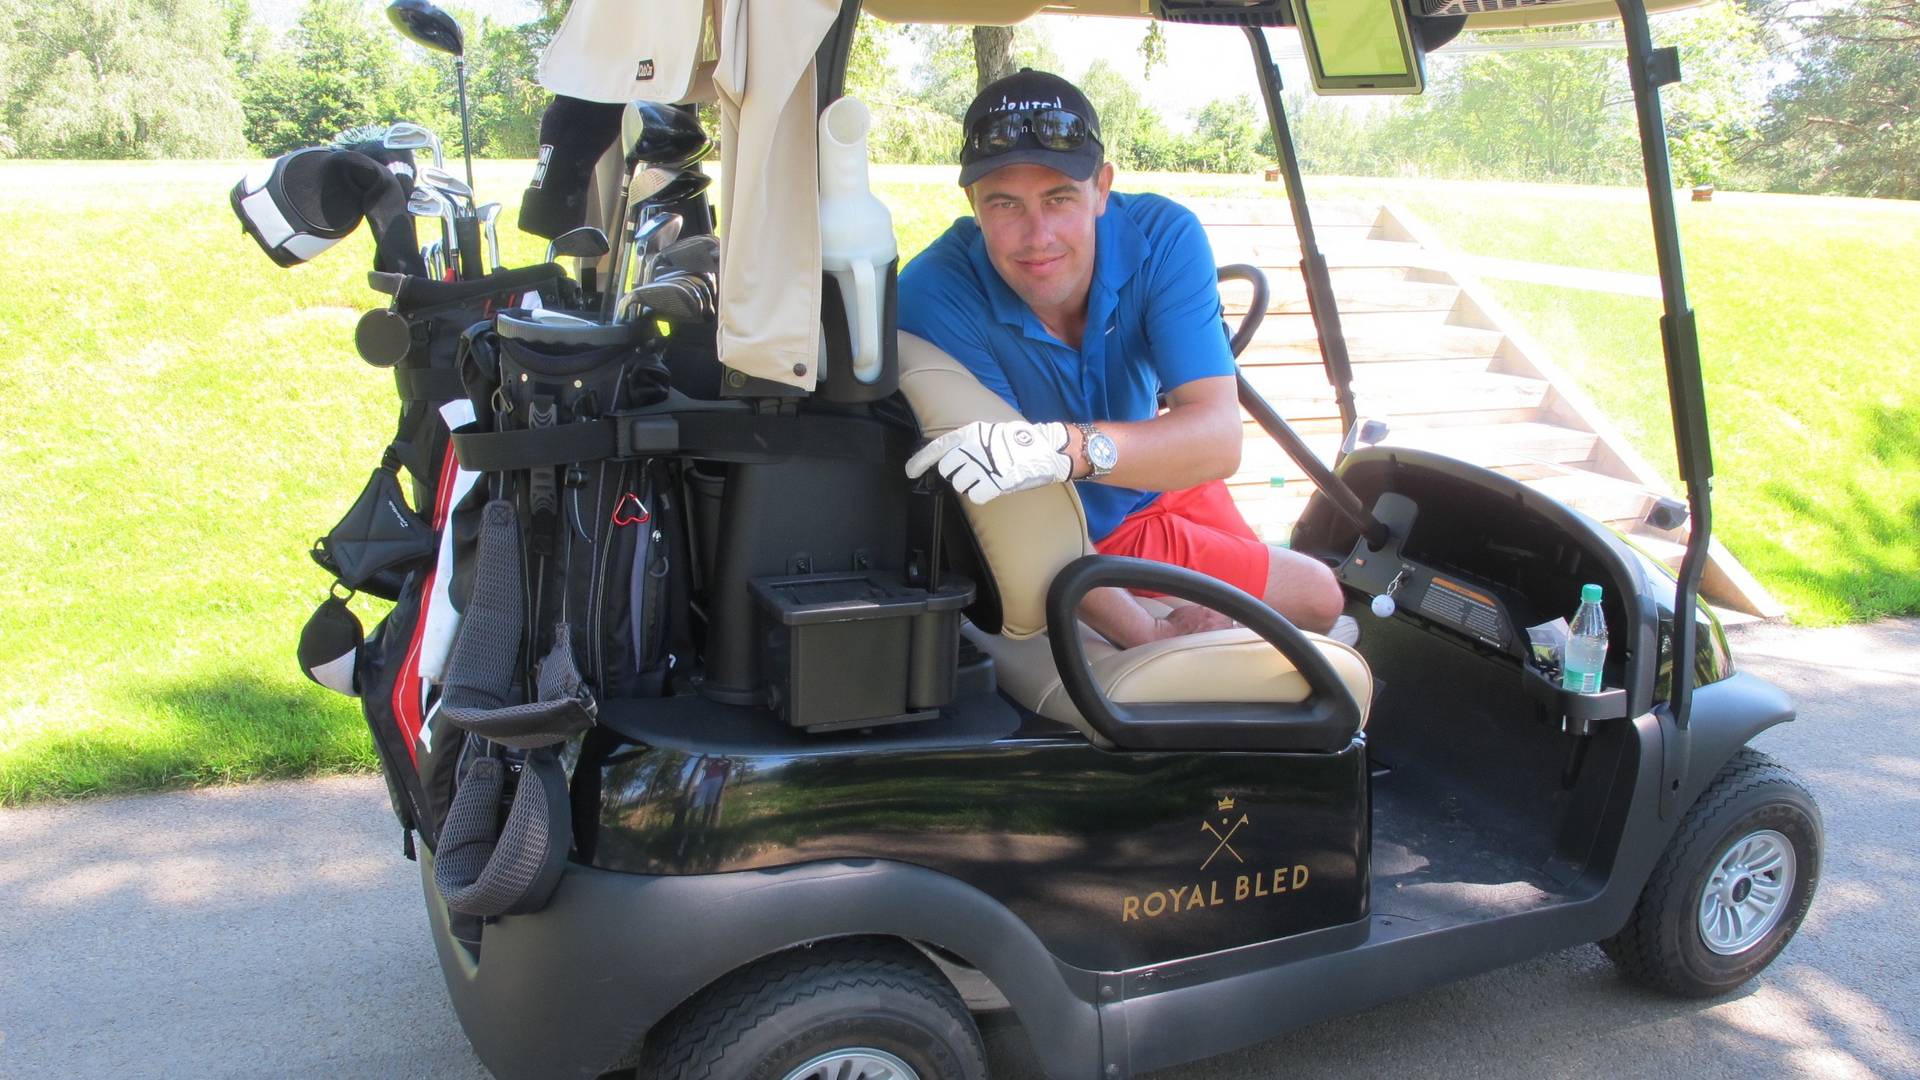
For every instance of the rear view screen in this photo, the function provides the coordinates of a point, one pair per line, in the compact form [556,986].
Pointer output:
[1359,46]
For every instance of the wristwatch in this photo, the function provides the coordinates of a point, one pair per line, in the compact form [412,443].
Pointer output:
[1101,453]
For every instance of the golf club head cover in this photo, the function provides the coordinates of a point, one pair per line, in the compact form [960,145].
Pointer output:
[382,197]
[300,204]
[371,141]
[486,652]
[294,207]
[330,647]
[573,136]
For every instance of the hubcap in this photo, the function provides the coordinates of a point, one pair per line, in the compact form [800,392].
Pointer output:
[1746,893]
[856,1063]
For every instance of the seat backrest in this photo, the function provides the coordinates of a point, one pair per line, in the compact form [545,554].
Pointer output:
[1025,538]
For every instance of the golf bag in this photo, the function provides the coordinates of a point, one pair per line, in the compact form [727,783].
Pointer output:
[400,549]
[565,562]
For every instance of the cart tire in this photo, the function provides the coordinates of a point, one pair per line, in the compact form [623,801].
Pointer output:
[1757,824]
[861,1009]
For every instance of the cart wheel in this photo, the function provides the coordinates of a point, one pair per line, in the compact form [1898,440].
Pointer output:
[859,1009]
[1731,888]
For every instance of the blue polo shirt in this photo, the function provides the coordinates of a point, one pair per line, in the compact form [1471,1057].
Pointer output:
[1153,323]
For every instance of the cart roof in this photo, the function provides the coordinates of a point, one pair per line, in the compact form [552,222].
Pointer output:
[1481,14]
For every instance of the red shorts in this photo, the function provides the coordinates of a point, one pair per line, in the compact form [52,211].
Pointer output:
[1200,529]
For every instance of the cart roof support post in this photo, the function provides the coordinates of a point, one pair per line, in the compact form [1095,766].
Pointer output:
[1313,265]
[1648,69]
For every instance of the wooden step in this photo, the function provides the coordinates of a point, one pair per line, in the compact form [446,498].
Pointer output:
[1603,498]
[1280,239]
[1275,213]
[1427,343]
[1272,508]
[1522,450]
[1272,252]
[1310,426]
[1665,550]
[1359,327]
[1377,377]
[1416,397]
[1353,292]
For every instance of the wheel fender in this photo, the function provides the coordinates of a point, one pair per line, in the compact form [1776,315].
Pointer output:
[1726,715]
[571,990]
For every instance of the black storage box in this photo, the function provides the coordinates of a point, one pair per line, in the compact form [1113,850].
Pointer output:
[859,649]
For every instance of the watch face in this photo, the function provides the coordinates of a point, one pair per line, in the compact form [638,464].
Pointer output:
[1102,452]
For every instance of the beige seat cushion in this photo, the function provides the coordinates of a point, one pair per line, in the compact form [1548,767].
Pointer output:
[1232,665]
[1028,537]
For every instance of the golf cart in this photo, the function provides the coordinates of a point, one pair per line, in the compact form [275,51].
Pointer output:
[882,781]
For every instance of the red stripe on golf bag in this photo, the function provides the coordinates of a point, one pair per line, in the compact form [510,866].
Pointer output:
[409,690]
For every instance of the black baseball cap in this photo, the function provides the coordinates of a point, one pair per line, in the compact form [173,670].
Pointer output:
[1030,91]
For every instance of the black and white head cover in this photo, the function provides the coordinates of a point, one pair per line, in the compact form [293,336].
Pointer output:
[302,203]
[330,647]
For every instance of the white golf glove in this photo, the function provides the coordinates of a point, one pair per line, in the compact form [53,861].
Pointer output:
[984,461]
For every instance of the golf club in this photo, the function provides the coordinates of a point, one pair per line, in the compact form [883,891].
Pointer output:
[634,189]
[662,134]
[675,297]
[585,242]
[429,27]
[687,184]
[429,201]
[665,229]
[694,254]
[639,245]
[446,182]
[489,214]
[466,226]
[407,135]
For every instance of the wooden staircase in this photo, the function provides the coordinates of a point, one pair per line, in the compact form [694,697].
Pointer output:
[1435,358]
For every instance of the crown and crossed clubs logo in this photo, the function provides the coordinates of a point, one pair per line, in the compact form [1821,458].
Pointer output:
[1232,827]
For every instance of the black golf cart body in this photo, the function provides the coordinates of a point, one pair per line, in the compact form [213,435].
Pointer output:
[1160,882]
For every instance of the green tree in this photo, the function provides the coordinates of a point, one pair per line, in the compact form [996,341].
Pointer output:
[905,129]
[119,79]
[507,100]
[1713,111]
[1848,122]
[1530,113]
[341,70]
[1122,112]
[1153,49]
[1227,137]
[247,41]
[10,73]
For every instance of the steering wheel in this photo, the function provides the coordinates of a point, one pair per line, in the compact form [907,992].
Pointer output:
[1256,308]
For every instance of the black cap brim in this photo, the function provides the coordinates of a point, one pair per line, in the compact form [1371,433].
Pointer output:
[1080,164]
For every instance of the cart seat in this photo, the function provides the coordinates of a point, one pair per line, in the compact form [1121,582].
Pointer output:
[1026,538]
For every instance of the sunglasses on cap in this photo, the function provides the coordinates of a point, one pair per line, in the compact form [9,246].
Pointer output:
[1053,129]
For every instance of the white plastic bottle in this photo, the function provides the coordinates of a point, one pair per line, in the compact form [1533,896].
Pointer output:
[856,230]
[1586,645]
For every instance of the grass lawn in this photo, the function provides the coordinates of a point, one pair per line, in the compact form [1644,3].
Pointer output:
[184,418]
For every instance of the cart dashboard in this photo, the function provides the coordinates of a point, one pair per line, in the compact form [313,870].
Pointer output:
[1476,557]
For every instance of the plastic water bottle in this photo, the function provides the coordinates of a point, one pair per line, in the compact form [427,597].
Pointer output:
[1586,645]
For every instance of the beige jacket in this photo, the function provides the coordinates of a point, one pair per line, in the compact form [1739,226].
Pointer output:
[763,80]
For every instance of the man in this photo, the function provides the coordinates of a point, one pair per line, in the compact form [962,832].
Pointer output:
[1081,306]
